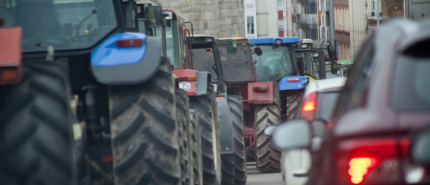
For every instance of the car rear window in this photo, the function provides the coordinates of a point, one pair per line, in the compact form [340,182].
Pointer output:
[325,105]
[412,83]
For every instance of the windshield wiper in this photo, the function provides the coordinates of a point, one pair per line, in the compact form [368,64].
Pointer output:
[83,20]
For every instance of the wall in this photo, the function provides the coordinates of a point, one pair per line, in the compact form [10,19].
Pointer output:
[358,26]
[342,28]
[220,18]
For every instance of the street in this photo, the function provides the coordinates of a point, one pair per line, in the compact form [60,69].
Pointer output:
[255,178]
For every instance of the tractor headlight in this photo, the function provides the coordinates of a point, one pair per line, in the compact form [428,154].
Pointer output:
[278,41]
[209,40]
[304,45]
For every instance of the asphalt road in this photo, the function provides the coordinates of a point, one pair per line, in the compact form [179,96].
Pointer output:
[255,178]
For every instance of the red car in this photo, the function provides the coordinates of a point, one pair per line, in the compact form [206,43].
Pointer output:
[386,96]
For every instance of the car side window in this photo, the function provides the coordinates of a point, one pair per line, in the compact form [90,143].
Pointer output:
[354,93]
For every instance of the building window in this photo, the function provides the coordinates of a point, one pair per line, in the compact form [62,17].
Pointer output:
[312,34]
[250,24]
[373,5]
[280,5]
[310,8]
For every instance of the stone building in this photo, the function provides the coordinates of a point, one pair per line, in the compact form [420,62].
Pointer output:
[342,28]
[220,18]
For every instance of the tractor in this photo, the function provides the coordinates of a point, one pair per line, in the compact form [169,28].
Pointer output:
[269,77]
[85,96]
[197,67]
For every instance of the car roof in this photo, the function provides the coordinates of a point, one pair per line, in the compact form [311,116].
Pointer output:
[326,85]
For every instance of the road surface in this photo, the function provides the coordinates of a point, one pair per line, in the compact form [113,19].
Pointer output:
[255,178]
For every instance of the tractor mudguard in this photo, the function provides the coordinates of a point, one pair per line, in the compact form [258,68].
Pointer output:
[296,82]
[225,126]
[114,64]
[260,92]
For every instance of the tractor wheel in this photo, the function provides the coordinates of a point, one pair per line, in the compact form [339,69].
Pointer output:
[145,144]
[293,103]
[182,117]
[250,154]
[268,158]
[195,148]
[35,127]
[209,136]
[236,111]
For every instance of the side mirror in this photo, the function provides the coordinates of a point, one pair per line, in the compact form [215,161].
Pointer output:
[300,66]
[154,16]
[420,147]
[333,67]
[258,51]
[292,135]
[269,130]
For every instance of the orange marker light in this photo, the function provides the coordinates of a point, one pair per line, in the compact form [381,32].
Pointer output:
[9,75]
[220,96]
[260,88]
[188,78]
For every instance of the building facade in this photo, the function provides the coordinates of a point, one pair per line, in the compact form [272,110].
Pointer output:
[304,19]
[342,28]
[219,18]
[265,18]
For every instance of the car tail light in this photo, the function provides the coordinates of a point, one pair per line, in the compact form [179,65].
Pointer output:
[128,43]
[187,78]
[9,75]
[220,96]
[369,162]
[293,80]
[309,106]
[261,88]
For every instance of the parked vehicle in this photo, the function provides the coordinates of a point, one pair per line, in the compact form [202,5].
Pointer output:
[283,76]
[317,105]
[366,141]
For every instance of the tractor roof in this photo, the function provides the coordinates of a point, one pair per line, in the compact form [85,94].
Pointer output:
[177,13]
[273,39]
[237,39]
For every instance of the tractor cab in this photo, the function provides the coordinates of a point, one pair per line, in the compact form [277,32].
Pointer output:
[205,57]
[236,59]
[309,55]
[277,60]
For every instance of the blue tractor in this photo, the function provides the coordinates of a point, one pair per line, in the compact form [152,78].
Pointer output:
[85,95]
[286,66]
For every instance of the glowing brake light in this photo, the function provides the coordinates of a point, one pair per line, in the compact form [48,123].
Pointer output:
[220,96]
[107,159]
[128,43]
[293,80]
[260,88]
[359,167]
[187,78]
[309,106]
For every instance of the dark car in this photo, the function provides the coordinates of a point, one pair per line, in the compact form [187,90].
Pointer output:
[386,96]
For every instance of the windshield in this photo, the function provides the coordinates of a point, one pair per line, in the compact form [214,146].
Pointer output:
[411,85]
[274,63]
[237,65]
[203,60]
[307,61]
[173,45]
[63,24]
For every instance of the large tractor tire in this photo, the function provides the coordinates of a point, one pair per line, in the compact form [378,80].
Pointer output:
[35,127]
[195,148]
[183,121]
[293,103]
[267,156]
[211,158]
[145,143]
[236,112]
